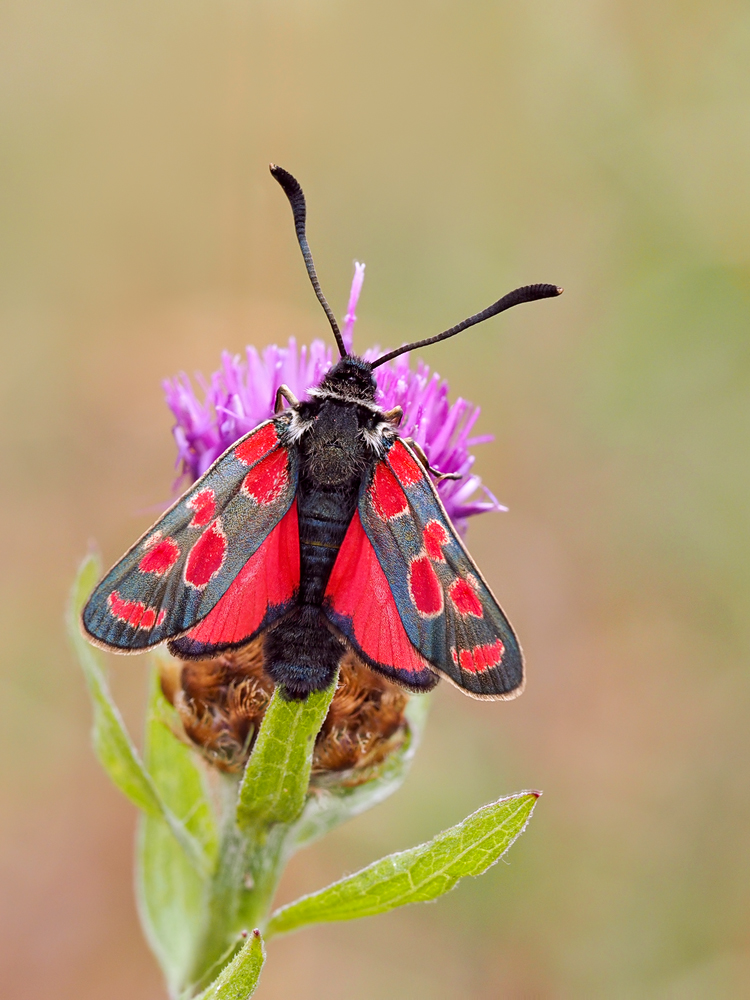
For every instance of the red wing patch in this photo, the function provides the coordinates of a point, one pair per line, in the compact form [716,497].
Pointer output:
[480,658]
[408,470]
[134,613]
[257,445]
[424,587]
[269,479]
[359,602]
[160,556]
[464,597]
[206,556]
[203,505]
[387,496]
[435,537]
[261,592]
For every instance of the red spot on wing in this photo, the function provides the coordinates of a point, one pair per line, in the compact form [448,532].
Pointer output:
[160,558]
[203,505]
[407,469]
[424,587]
[148,620]
[435,537]
[133,613]
[464,598]
[494,653]
[387,496]
[269,479]
[359,591]
[269,577]
[466,660]
[127,611]
[480,658]
[258,444]
[206,556]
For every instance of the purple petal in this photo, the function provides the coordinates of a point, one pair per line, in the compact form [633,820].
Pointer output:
[347,331]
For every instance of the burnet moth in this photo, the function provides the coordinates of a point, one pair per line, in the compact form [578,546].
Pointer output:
[320,530]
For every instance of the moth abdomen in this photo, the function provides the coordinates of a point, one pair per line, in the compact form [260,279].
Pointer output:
[301,653]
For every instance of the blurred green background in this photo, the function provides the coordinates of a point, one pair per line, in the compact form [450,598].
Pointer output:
[459,148]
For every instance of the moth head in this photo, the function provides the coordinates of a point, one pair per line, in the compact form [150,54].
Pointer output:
[352,379]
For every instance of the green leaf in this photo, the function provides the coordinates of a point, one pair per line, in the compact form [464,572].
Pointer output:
[277,775]
[417,875]
[171,894]
[112,743]
[238,980]
[328,807]
[173,764]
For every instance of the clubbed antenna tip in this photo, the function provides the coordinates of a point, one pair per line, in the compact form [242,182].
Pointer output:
[527,293]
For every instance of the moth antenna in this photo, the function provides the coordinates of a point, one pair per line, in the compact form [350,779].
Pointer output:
[294,193]
[528,293]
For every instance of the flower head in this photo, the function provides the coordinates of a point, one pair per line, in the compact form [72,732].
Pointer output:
[221,703]
[241,394]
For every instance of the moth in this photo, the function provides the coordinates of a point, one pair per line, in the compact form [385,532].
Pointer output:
[320,529]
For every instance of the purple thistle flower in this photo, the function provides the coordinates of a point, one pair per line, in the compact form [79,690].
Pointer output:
[241,395]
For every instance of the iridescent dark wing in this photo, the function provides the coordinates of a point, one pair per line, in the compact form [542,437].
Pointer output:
[445,609]
[232,536]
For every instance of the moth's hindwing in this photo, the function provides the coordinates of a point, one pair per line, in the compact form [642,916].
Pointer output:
[360,603]
[444,606]
[235,525]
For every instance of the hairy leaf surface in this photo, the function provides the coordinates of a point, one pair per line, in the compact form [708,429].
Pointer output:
[416,875]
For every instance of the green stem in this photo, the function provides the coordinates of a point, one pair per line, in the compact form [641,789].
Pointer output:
[258,813]
[241,890]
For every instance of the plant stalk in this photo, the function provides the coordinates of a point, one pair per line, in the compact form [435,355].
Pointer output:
[240,892]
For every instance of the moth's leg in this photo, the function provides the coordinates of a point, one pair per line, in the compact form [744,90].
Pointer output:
[284,392]
[423,459]
[417,451]
[394,416]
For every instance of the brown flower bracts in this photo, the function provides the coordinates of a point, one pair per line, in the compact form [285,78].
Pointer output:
[221,703]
